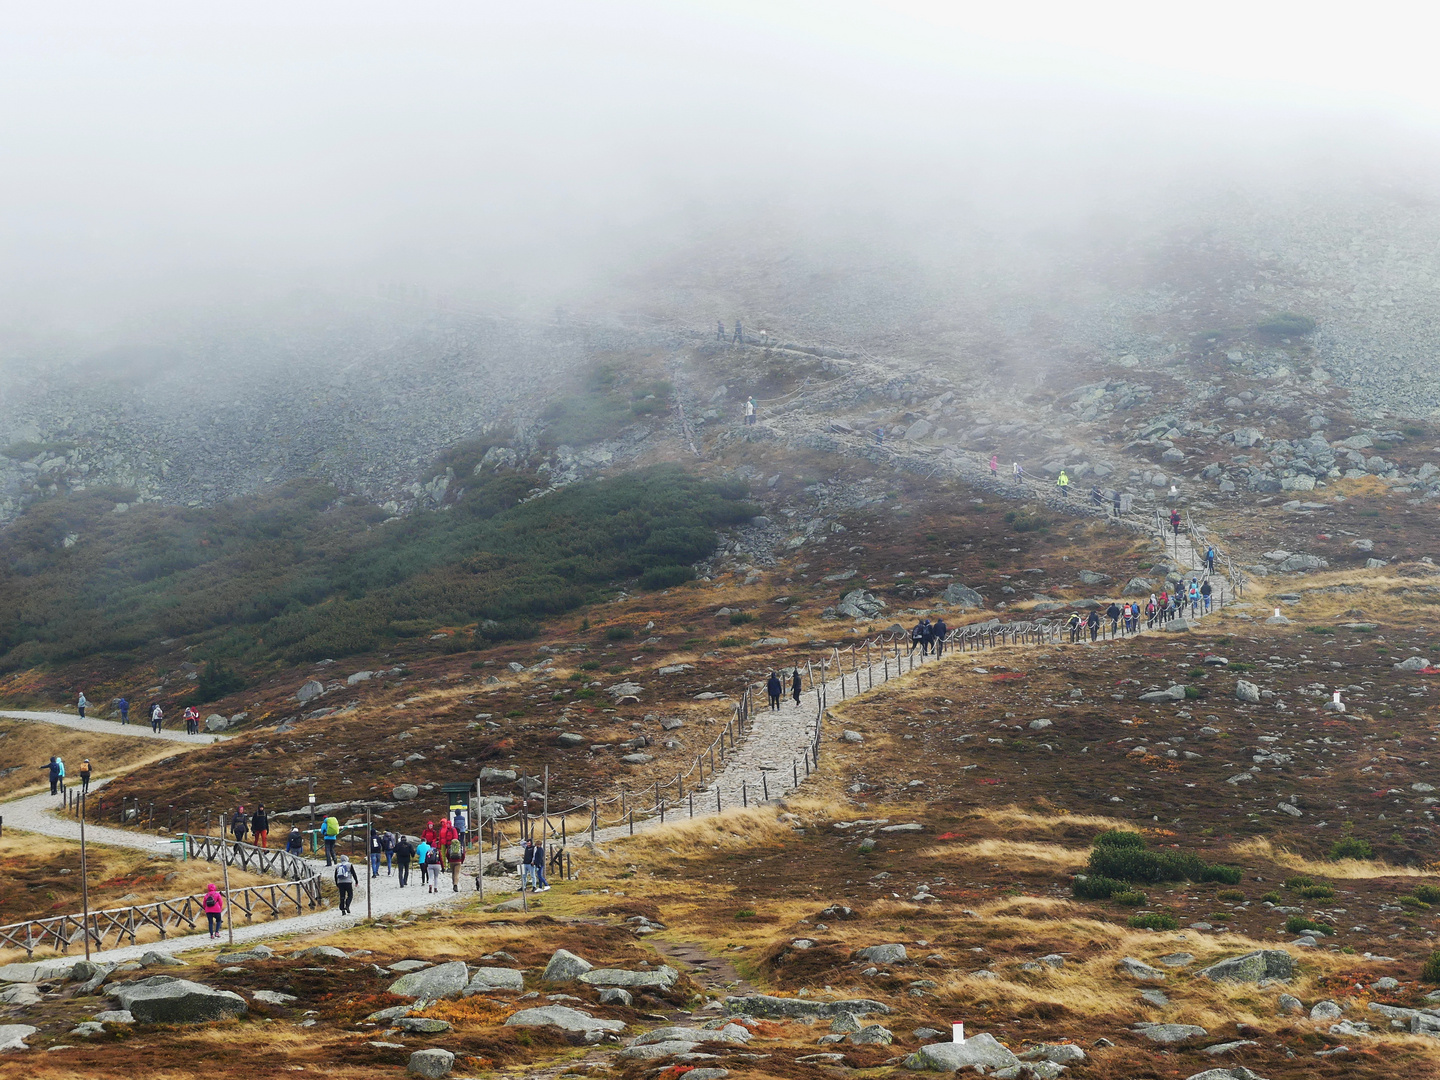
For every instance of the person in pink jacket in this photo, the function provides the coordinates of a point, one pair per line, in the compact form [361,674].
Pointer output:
[213,904]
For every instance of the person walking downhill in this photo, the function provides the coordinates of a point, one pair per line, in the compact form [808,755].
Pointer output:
[1205,594]
[404,852]
[774,689]
[387,845]
[994,466]
[739,337]
[719,331]
[82,705]
[1063,483]
[345,883]
[432,869]
[537,863]
[1175,521]
[260,826]
[1019,473]
[750,410]
[124,707]
[795,686]
[85,777]
[376,850]
[239,824]
[214,905]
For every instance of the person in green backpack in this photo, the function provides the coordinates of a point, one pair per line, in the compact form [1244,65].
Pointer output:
[330,832]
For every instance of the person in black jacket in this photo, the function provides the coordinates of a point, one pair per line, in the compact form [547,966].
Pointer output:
[404,852]
[238,825]
[775,689]
[1093,622]
[294,843]
[55,774]
[795,686]
[260,826]
[938,632]
[1114,612]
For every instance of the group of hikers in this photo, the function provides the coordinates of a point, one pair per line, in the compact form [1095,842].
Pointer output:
[775,688]
[929,637]
[156,713]
[1159,609]
[55,767]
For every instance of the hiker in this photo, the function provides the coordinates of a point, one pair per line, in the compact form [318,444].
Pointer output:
[345,883]
[795,686]
[937,633]
[387,847]
[537,864]
[994,466]
[1093,622]
[422,853]
[1205,591]
[1210,560]
[124,707]
[376,850]
[1115,502]
[1150,613]
[1193,594]
[446,833]
[192,720]
[1114,612]
[85,777]
[239,825]
[738,336]
[719,330]
[1175,521]
[1063,483]
[260,826]
[330,832]
[750,410]
[527,865]
[455,850]
[214,904]
[1164,605]
[1096,495]
[879,436]
[432,869]
[775,689]
[294,843]
[429,835]
[82,704]
[55,774]
[404,852]
[461,821]
[1073,623]
[1019,473]
[917,636]
[157,717]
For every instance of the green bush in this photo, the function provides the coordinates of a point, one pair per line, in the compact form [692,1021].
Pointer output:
[1126,862]
[1351,847]
[1193,693]
[1317,892]
[1130,898]
[740,618]
[1271,897]
[1228,875]
[1298,924]
[1430,972]
[619,633]
[1299,881]
[1154,920]
[1119,838]
[1414,903]
[1287,324]
[1230,895]
[666,577]
[1094,887]
[1429,893]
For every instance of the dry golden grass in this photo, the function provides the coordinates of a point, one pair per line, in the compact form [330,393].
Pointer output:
[1016,817]
[1010,851]
[1349,869]
[26,746]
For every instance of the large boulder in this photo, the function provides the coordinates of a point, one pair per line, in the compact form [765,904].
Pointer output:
[1174,692]
[1165,1034]
[562,1017]
[1247,691]
[404,792]
[259,952]
[310,691]
[1138,969]
[882,954]
[216,722]
[565,966]
[800,1008]
[489,979]
[982,1050]
[859,604]
[13,1036]
[962,596]
[1137,586]
[1300,563]
[440,981]
[431,1064]
[662,978]
[1252,967]
[161,999]
[1414,663]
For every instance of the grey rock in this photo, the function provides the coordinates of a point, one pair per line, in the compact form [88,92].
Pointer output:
[440,981]
[395,1012]
[615,995]
[731,1033]
[322,952]
[404,967]
[656,1051]
[1228,1047]
[1155,997]
[1059,1053]
[1385,983]
[273,997]
[1252,967]
[259,952]
[562,1017]
[859,604]
[496,776]
[1165,1034]
[1175,692]
[662,978]
[872,1035]
[983,1050]
[852,737]
[115,1016]
[844,1024]
[770,1007]
[13,1036]
[431,1064]
[1290,808]
[1138,969]
[707,1074]
[422,1025]
[961,596]
[1415,663]
[1138,586]
[1247,691]
[404,792]
[161,999]
[88,1029]
[151,958]
[42,971]
[216,722]
[1326,1010]
[1234,1073]
[1092,577]
[882,954]
[358,677]
[490,979]
[1177,959]
[1288,1005]
[310,691]
[565,966]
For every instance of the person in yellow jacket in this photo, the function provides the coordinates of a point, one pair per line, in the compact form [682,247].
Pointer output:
[1063,483]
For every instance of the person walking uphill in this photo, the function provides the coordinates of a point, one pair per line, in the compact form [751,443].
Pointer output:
[192,720]
[1092,622]
[330,832]
[994,466]
[157,717]
[795,686]
[85,777]
[775,689]
[937,635]
[124,707]
[455,852]
[1063,483]
[345,883]
[82,705]
[404,852]
[214,905]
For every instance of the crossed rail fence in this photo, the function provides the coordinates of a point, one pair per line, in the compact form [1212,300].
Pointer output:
[118,924]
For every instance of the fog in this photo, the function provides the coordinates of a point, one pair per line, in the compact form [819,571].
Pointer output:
[166,162]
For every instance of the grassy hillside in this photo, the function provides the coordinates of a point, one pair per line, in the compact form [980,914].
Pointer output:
[302,573]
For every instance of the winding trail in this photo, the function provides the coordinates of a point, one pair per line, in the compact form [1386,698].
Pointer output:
[140,729]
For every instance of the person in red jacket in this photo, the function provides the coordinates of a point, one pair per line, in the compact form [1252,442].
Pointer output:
[444,834]
[429,835]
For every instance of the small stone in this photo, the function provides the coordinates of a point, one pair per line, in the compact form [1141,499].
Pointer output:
[1137,969]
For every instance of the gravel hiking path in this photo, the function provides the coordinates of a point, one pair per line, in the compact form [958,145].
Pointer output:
[138,729]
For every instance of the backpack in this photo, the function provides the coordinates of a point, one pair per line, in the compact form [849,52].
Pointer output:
[331,828]
[455,851]
[344,873]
